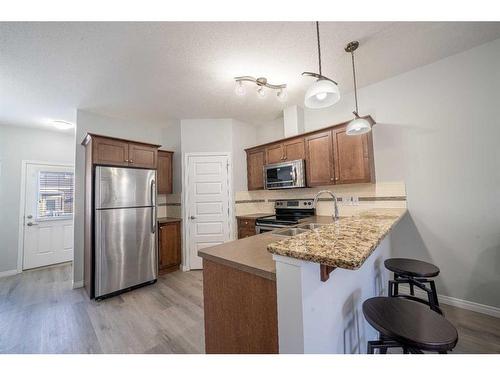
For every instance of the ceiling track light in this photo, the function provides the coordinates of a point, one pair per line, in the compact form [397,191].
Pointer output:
[358,125]
[261,83]
[325,91]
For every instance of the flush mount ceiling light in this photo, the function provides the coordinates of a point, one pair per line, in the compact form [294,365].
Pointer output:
[262,84]
[325,91]
[62,125]
[358,125]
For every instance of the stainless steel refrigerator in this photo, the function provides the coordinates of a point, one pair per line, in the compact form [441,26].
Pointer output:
[125,226]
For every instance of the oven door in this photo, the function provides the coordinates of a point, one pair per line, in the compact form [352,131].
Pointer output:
[285,175]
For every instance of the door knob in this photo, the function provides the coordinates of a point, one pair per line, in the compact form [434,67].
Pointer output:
[30,224]
[192,217]
[30,216]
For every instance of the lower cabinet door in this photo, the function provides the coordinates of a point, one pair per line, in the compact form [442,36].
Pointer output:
[169,247]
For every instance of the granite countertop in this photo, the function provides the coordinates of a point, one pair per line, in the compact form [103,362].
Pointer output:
[253,216]
[344,244]
[163,220]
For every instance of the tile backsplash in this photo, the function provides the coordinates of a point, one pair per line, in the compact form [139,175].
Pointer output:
[378,195]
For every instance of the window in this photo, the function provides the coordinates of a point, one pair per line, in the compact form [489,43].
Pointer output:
[55,195]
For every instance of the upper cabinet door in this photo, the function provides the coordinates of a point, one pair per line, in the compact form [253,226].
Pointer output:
[274,153]
[352,155]
[256,159]
[164,174]
[319,159]
[110,151]
[142,156]
[294,149]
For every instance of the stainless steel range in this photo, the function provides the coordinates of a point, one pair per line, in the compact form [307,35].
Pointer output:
[288,212]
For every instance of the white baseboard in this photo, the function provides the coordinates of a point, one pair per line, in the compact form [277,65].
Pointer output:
[8,273]
[77,284]
[185,268]
[452,301]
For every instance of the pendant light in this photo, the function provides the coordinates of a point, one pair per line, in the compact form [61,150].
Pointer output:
[358,125]
[324,92]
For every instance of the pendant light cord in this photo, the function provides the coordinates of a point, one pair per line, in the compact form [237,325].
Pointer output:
[355,88]
[319,47]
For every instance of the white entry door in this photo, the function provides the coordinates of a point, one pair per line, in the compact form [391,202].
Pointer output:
[48,215]
[208,204]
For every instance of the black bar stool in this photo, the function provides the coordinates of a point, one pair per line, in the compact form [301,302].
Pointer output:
[408,325]
[415,273]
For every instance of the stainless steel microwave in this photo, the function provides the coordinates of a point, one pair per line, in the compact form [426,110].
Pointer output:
[286,175]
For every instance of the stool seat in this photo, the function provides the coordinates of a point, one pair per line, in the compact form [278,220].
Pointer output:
[410,323]
[411,267]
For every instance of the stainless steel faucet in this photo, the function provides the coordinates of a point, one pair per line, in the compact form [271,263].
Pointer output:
[335,215]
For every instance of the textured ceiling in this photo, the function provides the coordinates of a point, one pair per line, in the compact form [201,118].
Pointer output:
[153,72]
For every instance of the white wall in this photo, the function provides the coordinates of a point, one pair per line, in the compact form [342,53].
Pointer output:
[270,131]
[171,141]
[244,136]
[206,135]
[88,122]
[18,144]
[438,129]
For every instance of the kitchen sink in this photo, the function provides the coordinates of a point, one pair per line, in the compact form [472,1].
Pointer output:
[309,226]
[289,232]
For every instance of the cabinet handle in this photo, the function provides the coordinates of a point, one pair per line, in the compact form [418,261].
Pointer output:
[131,161]
[331,179]
[126,160]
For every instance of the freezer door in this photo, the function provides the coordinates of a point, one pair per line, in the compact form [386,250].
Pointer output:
[124,187]
[125,249]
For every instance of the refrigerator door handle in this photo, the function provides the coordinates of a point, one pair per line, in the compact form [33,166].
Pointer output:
[153,203]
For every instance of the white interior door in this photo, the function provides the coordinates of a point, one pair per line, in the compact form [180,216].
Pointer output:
[208,204]
[48,215]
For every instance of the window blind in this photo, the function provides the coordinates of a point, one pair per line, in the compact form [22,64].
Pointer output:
[55,194]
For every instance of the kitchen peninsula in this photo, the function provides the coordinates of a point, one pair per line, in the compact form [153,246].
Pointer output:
[297,294]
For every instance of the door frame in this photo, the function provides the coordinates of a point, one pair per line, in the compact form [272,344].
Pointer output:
[22,202]
[185,202]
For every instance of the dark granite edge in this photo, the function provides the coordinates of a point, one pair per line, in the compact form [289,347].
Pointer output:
[250,201]
[364,199]
[168,219]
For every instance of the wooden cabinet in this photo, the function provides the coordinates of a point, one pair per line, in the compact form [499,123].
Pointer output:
[294,149]
[246,227]
[164,172]
[142,156]
[289,150]
[169,246]
[331,157]
[110,151]
[256,159]
[319,159]
[274,153]
[121,152]
[353,156]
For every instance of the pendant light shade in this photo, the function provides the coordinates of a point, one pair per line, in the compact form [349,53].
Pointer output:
[358,126]
[322,93]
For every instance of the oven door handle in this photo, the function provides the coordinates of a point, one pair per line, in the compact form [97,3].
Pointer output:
[268,227]
[294,175]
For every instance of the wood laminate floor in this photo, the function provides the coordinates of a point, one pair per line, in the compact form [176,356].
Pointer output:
[40,313]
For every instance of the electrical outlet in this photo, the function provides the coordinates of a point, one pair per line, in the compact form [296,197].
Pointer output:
[355,200]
